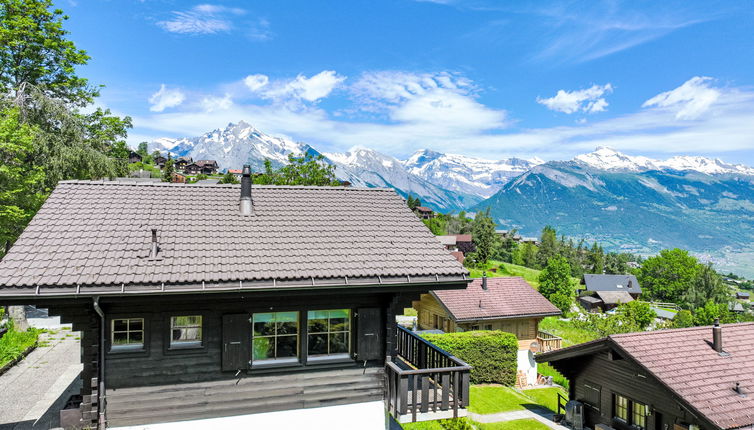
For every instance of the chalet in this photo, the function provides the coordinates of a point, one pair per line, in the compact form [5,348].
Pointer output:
[424,212]
[160,161]
[465,243]
[181,163]
[208,167]
[177,178]
[604,292]
[506,303]
[742,295]
[448,241]
[236,173]
[199,302]
[693,378]
[134,157]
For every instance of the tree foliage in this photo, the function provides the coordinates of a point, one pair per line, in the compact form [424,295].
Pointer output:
[484,237]
[548,246]
[34,50]
[229,178]
[303,170]
[667,276]
[555,283]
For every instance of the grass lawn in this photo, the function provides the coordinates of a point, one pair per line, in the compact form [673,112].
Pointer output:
[424,425]
[14,343]
[547,397]
[507,269]
[490,399]
[571,335]
[527,424]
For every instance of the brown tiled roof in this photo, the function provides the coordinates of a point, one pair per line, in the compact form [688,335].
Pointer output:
[463,238]
[683,360]
[423,209]
[505,297]
[99,233]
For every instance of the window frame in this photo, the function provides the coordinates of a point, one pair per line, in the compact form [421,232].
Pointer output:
[169,348]
[644,417]
[617,407]
[275,362]
[318,358]
[112,349]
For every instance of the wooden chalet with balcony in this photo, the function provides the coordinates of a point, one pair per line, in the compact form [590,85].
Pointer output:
[200,302]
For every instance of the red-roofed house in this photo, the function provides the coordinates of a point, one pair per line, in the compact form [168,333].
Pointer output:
[693,378]
[506,303]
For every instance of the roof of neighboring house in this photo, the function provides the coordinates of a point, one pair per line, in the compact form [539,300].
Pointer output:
[683,360]
[505,297]
[423,209]
[735,307]
[458,255]
[203,163]
[207,181]
[463,238]
[97,235]
[612,283]
[742,294]
[615,297]
[184,158]
[663,313]
[590,299]
[447,240]
[235,171]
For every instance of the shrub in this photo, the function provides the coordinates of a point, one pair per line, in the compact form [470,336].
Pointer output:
[492,354]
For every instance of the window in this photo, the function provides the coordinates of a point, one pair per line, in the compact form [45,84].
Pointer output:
[186,331]
[639,415]
[592,395]
[127,333]
[275,336]
[474,327]
[329,332]
[621,407]
[488,326]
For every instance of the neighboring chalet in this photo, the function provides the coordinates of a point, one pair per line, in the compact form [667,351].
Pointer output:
[160,161]
[424,212]
[134,157]
[208,167]
[699,378]
[742,295]
[181,163]
[506,303]
[605,292]
[192,169]
[177,178]
[209,301]
[236,173]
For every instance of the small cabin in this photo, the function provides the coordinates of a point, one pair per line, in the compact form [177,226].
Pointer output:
[695,378]
[605,292]
[424,212]
[742,295]
[134,157]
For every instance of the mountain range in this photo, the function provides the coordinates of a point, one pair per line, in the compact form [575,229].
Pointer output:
[632,203]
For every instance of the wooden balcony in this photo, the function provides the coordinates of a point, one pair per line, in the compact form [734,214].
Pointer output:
[548,341]
[423,382]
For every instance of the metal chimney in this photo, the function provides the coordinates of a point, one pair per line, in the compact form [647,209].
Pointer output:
[153,250]
[484,281]
[717,336]
[246,206]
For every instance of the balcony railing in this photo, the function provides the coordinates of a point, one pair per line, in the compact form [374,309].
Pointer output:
[423,382]
[548,341]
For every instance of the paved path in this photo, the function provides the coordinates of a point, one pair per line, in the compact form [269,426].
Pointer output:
[540,414]
[35,389]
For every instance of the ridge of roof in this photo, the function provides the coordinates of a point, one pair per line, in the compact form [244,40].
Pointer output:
[703,328]
[171,184]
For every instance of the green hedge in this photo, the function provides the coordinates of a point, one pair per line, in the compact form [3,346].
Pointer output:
[493,354]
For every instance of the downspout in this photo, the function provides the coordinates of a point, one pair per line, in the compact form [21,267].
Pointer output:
[101,422]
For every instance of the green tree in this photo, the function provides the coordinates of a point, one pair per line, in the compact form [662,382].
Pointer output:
[548,246]
[436,226]
[229,178]
[667,276]
[683,319]
[303,170]
[708,285]
[596,259]
[639,313]
[529,253]
[20,184]
[34,50]
[484,236]
[413,202]
[167,172]
[555,283]
[707,314]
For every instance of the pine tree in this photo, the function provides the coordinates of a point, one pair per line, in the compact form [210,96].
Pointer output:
[555,283]
[167,172]
[548,246]
[484,237]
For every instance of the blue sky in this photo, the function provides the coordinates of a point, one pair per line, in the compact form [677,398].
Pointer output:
[483,78]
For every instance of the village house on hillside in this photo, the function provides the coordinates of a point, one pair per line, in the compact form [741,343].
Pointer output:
[181,163]
[210,301]
[699,378]
[509,304]
[134,157]
[605,292]
[424,212]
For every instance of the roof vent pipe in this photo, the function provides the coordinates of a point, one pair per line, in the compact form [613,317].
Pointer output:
[246,203]
[484,280]
[717,336]
[153,251]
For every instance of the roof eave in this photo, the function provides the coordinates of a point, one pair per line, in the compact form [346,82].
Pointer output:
[507,317]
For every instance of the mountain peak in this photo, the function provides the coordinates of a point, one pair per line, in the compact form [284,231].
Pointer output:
[606,158]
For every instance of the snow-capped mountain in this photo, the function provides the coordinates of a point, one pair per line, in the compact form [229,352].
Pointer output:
[464,174]
[611,160]
[234,146]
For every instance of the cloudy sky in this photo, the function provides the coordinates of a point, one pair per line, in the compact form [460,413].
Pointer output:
[485,78]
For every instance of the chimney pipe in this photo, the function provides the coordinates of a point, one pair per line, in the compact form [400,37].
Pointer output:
[246,203]
[484,280]
[153,251]
[717,336]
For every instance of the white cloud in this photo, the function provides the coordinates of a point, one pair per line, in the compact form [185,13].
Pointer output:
[201,19]
[310,89]
[256,82]
[213,103]
[688,101]
[590,100]
[166,98]
[423,112]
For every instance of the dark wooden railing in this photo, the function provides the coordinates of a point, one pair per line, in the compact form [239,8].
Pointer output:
[423,378]
[562,401]
[548,341]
